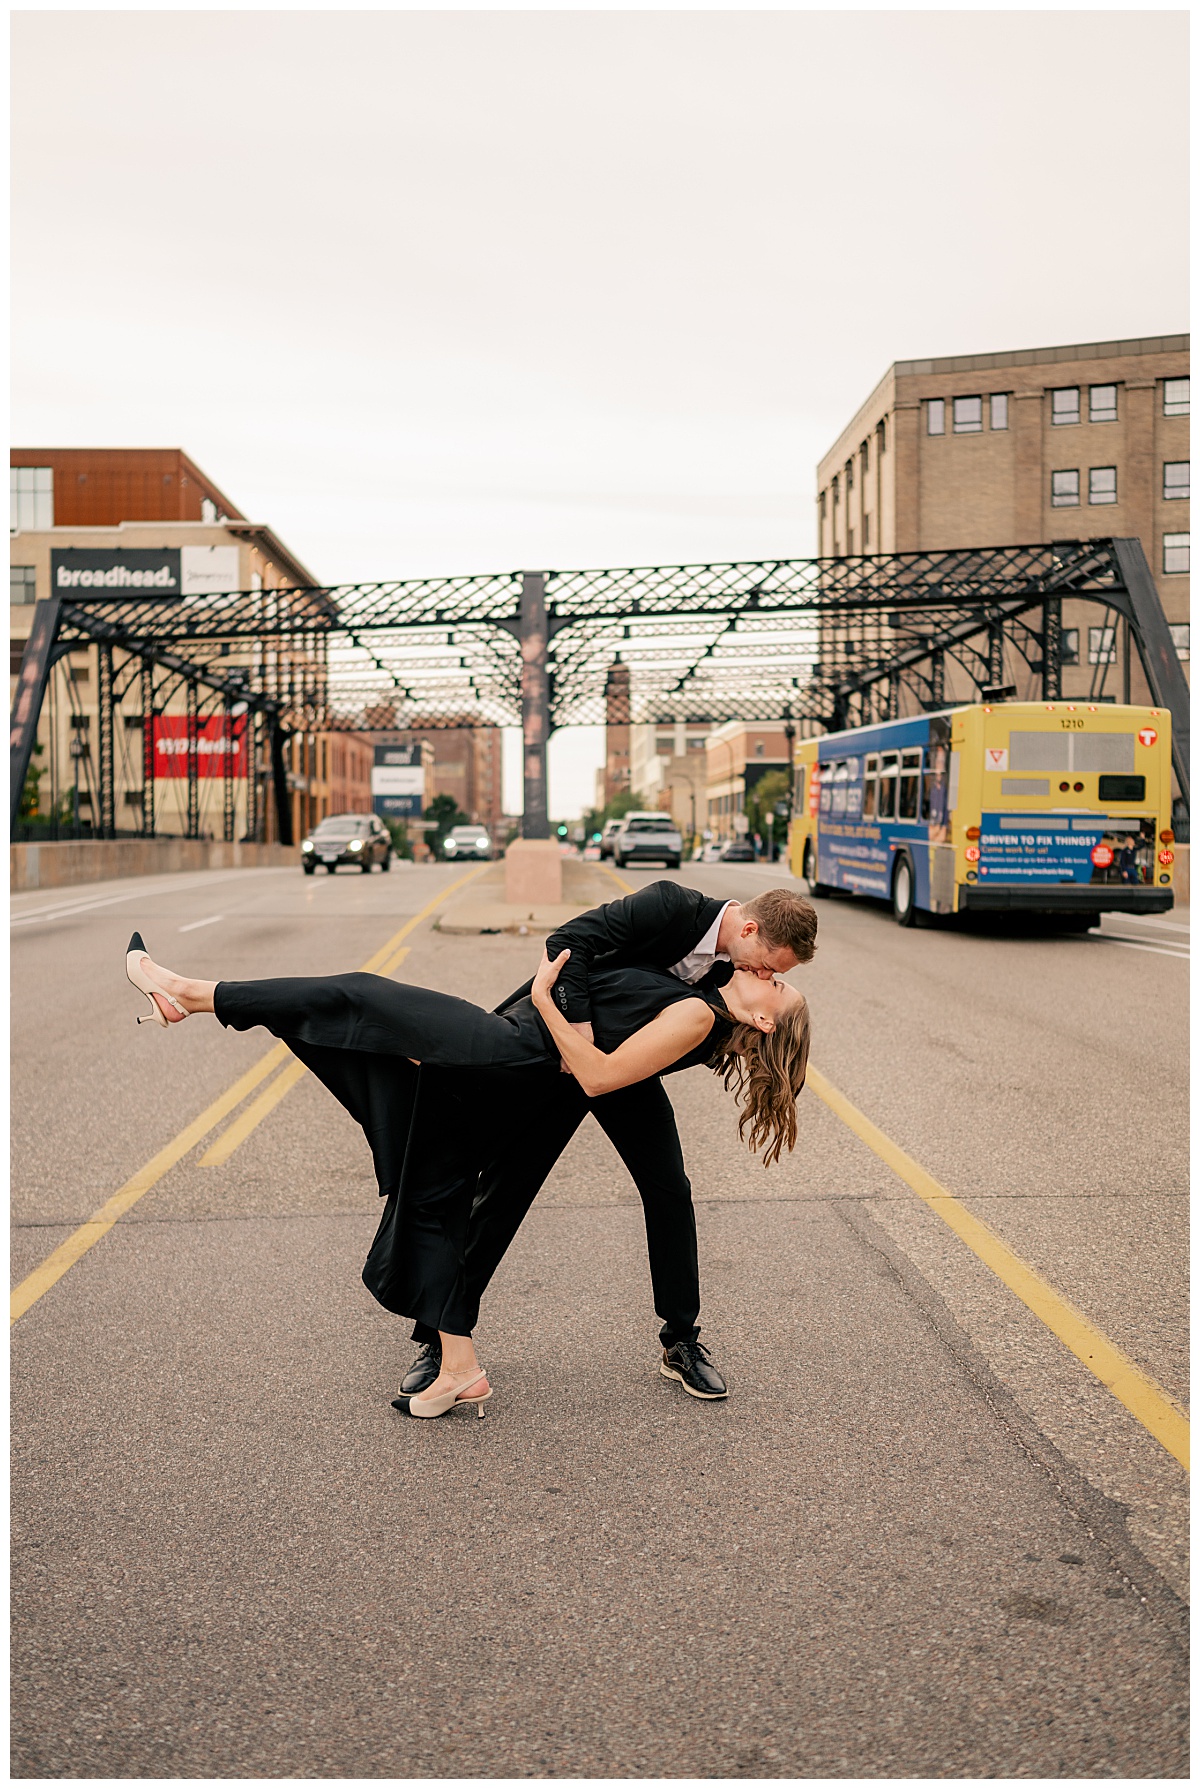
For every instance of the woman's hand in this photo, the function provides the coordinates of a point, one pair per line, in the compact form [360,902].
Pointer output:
[546,977]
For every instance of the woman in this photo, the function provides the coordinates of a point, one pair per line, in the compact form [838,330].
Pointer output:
[359,1033]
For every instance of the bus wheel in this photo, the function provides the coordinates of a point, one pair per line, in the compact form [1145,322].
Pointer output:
[809,870]
[904,891]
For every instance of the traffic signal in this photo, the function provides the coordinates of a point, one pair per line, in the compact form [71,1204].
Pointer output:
[562,832]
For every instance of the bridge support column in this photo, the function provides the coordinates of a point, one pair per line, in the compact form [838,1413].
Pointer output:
[108,804]
[283,800]
[148,748]
[193,755]
[534,637]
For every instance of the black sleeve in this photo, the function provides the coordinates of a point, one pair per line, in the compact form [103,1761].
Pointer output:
[625,925]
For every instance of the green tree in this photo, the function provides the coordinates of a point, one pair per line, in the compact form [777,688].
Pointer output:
[445,813]
[28,809]
[771,787]
[596,819]
[401,843]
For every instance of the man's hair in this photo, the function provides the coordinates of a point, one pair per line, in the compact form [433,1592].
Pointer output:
[786,920]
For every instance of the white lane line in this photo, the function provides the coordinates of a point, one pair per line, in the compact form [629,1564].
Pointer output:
[1156,925]
[61,911]
[215,920]
[1158,950]
[1141,938]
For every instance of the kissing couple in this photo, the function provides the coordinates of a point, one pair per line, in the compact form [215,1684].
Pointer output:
[466,1111]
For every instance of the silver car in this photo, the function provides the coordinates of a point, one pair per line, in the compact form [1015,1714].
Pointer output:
[466,842]
[648,838]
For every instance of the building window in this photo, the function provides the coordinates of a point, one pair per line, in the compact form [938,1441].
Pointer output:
[849,540]
[1069,649]
[1102,484]
[935,416]
[22,583]
[30,497]
[999,409]
[1102,403]
[864,454]
[881,435]
[1102,645]
[1177,480]
[834,488]
[866,532]
[1177,552]
[1064,490]
[968,416]
[1177,397]
[1064,404]
[849,475]
[1182,636]
[821,505]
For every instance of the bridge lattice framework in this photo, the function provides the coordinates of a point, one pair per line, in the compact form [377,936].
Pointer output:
[822,643]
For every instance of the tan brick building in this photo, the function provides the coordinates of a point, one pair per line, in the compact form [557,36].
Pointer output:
[1016,448]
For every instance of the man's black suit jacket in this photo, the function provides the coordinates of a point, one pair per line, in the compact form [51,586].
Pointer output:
[655,927]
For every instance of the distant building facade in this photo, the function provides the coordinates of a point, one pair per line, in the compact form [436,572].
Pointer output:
[737,756]
[466,763]
[123,506]
[1013,449]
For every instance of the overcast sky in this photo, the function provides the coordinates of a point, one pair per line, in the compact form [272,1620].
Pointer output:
[478,291]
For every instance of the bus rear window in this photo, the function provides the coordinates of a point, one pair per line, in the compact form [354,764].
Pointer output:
[1122,788]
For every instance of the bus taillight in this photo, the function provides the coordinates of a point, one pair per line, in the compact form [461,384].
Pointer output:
[1167,838]
[973,833]
[972,854]
[1164,857]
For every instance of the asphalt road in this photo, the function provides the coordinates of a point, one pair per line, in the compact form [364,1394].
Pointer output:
[920,1539]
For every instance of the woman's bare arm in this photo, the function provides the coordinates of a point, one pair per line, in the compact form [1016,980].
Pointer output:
[676,1031]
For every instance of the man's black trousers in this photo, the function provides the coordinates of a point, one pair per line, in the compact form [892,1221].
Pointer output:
[536,1116]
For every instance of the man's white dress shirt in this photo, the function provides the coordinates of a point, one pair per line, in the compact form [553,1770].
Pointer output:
[698,962]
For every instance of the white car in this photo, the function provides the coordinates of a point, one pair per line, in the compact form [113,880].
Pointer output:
[648,838]
[466,841]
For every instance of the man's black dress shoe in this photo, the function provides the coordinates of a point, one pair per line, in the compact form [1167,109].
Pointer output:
[689,1363]
[424,1370]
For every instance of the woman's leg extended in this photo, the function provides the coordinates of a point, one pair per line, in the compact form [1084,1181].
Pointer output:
[385,1017]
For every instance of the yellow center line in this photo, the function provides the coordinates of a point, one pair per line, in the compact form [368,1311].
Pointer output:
[619,880]
[64,1257]
[1146,1401]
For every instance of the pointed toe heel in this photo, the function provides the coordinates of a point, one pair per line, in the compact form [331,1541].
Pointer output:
[450,1400]
[142,982]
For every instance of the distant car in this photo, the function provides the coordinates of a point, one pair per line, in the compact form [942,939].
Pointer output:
[467,841]
[711,853]
[358,839]
[648,838]
[737,851]
[612,828]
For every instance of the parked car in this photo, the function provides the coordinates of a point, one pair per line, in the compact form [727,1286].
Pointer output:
[648,838]
[611,829]
[358,839]
[737,851]
[710,853]
[467,842]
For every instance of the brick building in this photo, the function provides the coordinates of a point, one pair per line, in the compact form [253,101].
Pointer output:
[109,503]
[1017,448]
[736,756]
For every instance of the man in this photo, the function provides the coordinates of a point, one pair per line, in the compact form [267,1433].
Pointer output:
[696,937]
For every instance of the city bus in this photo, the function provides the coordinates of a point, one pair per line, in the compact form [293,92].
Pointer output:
[1041,807]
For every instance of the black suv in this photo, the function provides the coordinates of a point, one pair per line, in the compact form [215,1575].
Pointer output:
[358,839]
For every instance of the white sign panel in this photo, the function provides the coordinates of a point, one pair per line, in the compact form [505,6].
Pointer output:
[398,779]
[996,758]
[210,571]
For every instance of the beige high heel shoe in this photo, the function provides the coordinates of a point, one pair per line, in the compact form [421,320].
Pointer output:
[133,969]
[447,1400]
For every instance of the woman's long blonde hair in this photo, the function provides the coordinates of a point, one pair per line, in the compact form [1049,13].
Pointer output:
[765,1071]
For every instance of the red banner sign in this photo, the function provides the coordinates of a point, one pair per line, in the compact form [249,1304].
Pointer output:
[216,753]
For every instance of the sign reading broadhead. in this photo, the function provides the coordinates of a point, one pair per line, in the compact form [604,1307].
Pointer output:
[153,573]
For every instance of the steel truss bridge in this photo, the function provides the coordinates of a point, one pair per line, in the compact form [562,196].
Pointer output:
[824,643]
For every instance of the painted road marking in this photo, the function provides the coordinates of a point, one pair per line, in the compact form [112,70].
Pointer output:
[64,1257]
[1170,947]
[197,923]
[61,910]
[1146,1401]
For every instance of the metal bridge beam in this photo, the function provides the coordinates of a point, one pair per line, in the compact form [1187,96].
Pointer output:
[36,663]
[1160,661]
[534,636]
